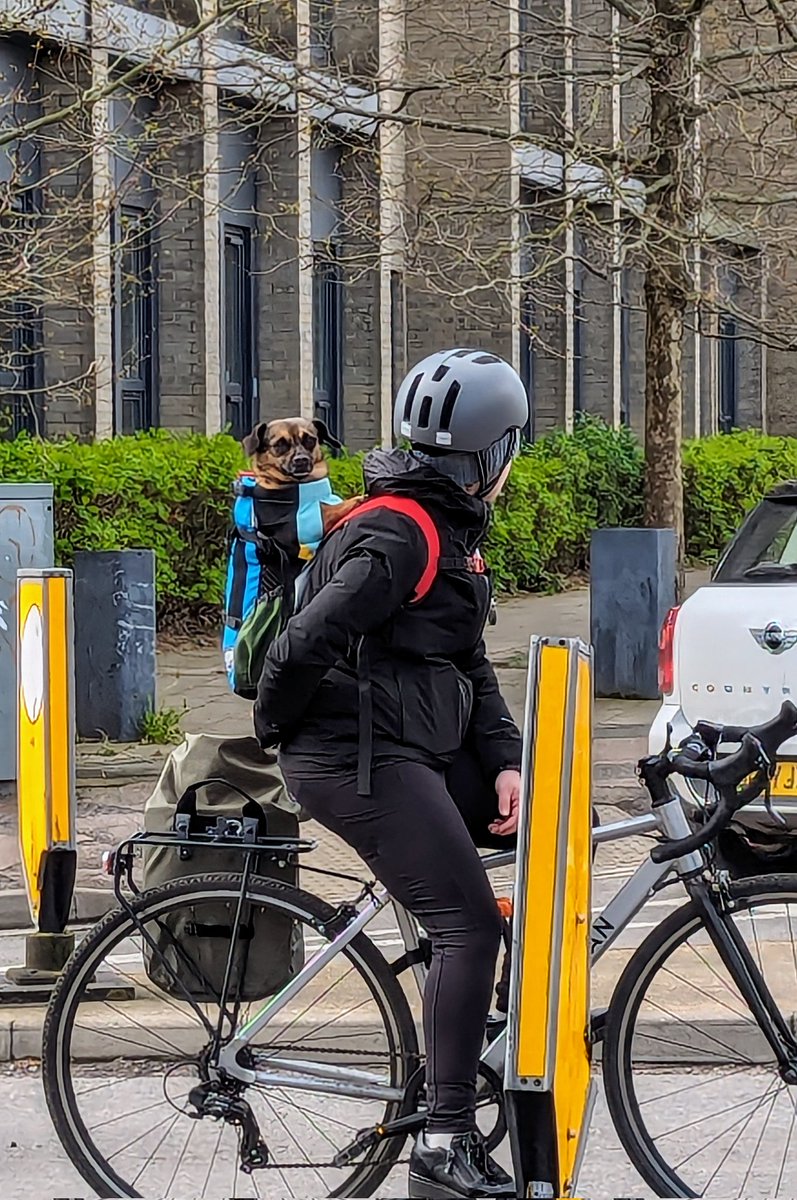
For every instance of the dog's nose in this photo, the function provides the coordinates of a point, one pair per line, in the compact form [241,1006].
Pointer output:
[302,464]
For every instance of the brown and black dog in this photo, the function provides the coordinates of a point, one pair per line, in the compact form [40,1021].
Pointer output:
[290,451]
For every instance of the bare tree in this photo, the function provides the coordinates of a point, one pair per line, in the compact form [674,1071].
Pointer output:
[510,170]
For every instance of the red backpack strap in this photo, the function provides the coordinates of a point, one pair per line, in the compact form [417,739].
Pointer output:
[417,513]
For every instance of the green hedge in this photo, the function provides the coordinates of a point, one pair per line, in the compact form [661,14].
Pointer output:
[153,490]
[173,494]
[724,477]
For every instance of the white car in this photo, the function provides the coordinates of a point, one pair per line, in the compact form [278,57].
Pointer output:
[729,653]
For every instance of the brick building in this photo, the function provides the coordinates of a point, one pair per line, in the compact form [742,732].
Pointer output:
[228,233]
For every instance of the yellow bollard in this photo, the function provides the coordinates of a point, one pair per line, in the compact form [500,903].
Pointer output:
[548,1066]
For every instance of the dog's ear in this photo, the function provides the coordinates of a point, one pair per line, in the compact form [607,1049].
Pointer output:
[325,437]
[255,443]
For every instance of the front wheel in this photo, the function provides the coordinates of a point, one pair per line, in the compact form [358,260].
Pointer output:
[122,1076]
[692,1085]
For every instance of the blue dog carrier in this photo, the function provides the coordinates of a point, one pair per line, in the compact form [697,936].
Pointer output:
[275,531]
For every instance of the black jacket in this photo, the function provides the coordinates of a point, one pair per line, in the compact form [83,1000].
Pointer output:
[423,665]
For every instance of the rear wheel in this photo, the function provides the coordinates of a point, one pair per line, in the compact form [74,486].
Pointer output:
[693,1087]
[120,1075]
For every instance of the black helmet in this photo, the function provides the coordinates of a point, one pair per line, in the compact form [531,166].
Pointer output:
[461,400]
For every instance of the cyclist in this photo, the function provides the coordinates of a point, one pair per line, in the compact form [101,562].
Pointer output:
[370,697]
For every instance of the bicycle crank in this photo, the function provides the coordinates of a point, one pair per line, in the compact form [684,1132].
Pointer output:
[489,1092]
[210,1100]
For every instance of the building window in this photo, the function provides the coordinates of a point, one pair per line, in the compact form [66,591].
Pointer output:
[398,328]
[20,369]
[322,13]
[238,302]
[578,344]
[328,340]
[625,353]
[728,380]
[527,356]
[134,322]
[526,59]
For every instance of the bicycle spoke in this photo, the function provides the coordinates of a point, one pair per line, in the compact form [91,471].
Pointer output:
[735,1012]
[142,1136]
[126,1041]
[710,1116]
[758,1144]
[164,1042]
[786,1150]
[306,1113]
[793,942]
[695,1029]
[191,1129]
[732,991]
[687,1088]
[299,1147]
[212,1162]
[286,1099]
[744,1121]
[129,1115]
[144,981]
[315,1002]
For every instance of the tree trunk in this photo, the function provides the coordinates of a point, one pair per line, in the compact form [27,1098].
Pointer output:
[664,496]
[668,278]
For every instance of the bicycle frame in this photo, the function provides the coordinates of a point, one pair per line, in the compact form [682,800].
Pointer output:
[668,819]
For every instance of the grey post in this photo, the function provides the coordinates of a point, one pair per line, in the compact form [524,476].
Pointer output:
[114,642]
[26,541]
[632,587]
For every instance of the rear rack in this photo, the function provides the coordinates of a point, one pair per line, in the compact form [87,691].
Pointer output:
[227,834]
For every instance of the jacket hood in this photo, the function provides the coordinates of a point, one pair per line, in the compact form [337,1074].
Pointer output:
[398,473]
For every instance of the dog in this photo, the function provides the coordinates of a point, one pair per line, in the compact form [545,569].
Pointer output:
[289,451]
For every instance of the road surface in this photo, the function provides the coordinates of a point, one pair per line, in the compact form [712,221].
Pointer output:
[34,1167]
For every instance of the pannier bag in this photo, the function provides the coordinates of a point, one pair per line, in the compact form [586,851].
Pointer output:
[269,949]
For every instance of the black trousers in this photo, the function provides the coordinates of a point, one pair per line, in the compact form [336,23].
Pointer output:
[421,848]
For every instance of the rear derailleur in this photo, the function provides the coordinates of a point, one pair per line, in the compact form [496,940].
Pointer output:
[212,1100]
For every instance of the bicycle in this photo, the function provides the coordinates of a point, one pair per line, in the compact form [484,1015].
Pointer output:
[232,1078]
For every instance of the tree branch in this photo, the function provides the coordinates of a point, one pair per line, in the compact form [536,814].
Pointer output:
[95,95]
[747,52]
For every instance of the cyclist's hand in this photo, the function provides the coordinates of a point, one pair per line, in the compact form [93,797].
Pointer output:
[507,787]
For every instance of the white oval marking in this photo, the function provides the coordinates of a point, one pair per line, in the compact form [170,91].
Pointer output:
[32,664]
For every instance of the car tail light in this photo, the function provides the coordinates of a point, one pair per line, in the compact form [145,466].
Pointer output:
[666,643]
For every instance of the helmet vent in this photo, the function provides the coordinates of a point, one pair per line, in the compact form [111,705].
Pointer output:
[423,416]
[447,410]
[486,359]
[440,373]
[411,396]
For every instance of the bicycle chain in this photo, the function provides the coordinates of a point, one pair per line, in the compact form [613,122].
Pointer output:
[298,1046]
[314,1049]
[305,1166]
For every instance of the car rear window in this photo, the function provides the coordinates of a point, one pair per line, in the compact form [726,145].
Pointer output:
[765,547]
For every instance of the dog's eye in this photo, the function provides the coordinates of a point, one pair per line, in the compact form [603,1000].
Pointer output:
[309,441]
[280,447]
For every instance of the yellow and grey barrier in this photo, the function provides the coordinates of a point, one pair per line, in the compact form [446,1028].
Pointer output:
[548,1067]
[46,764]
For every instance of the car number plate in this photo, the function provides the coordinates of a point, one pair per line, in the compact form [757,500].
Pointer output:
[785,781]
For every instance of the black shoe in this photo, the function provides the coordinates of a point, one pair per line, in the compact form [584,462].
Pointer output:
[464,1170]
